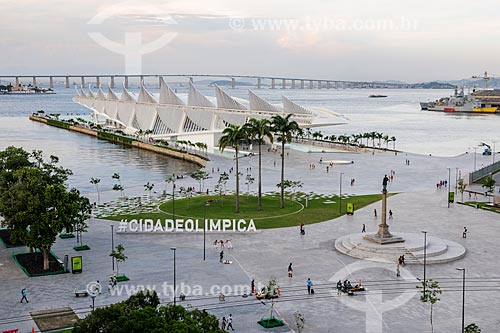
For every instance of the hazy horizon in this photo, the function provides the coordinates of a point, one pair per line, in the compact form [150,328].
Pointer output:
[361,40]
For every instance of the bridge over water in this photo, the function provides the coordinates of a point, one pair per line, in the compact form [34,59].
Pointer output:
[260,81]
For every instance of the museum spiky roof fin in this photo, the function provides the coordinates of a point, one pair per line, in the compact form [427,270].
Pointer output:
[167,95]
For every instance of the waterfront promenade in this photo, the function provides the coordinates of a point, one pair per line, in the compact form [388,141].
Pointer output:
[261,256]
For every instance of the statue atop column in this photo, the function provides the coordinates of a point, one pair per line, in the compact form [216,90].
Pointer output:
[384,183]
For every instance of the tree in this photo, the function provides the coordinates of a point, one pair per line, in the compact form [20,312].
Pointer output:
[393,139]
[200,176]
[259,129]
[34,199]
[489,184]
[299,320]
[430,293]
[223,178]
[95,182]
[293,184]
[249,181]
[472,328]
[149,187]
[284,128]
[118,255]
[118,187]
[461,187]
[142,313]
[232,136]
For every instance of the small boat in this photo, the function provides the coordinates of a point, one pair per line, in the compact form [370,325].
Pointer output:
[377,96]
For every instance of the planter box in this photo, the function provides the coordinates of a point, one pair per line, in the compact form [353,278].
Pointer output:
[81,248]
[270,322]
[64,236]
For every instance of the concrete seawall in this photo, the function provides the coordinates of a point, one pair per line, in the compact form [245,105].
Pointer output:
[123,140]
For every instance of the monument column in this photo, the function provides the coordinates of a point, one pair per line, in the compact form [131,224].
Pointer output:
[383,236]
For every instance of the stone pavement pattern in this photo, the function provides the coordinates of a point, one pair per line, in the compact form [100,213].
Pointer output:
[261,256]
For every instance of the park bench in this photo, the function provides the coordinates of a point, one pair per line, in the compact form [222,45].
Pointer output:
[83,293]
[14,330]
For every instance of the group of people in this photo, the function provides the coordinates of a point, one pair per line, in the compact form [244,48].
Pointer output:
[227,324]
[441,183]
[347,287]
[221,244]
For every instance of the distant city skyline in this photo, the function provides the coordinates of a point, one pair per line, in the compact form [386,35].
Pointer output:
[360,40]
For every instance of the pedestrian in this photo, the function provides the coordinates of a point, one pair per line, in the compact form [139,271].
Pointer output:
[375,213]
[230,322]
[275,164]
[363,230]
[403,260]
[290,270]
[309,285]
[390,214]
[464,234]
[252,286]
[216,242]
[398,274]
[24,293]
[223,323]
[339,288]
[229,244]
[302,229]
[221,255]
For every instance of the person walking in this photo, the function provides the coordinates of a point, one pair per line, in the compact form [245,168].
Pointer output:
[398,273]
[24,293]
[223,323]
[221,255]
[375,213]
[363,230]
[230,322]
[290,270]
[309,285]
[390,214]
[464,234]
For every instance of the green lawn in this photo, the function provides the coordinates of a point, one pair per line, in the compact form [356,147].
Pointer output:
[272,216]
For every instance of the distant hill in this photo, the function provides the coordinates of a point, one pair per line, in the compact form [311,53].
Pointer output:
[436,85]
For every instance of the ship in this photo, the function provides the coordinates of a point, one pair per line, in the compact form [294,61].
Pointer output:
[483,101]
[377,96]
[23,90]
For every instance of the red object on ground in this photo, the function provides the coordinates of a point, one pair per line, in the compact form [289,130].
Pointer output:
[14,330]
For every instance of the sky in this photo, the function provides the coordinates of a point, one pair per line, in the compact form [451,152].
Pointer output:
[323,39]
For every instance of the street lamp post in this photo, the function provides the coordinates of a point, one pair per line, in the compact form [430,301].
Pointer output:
[463,297]
[475,149]
[493,153]
[112,247]
[449,184]
[340,192]
[204,228]
[173,198]
[425,254]
[173,249]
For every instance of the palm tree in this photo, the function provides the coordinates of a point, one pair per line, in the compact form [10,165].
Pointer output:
[232,136]
[259,129]
[393,139]
[386,140]
[284,128]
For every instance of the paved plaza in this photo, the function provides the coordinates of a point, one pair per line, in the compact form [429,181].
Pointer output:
[390,304]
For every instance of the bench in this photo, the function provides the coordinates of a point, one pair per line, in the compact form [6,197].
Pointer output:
[83,293]
[14,330]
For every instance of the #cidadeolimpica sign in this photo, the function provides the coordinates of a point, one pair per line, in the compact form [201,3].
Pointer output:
[185,225]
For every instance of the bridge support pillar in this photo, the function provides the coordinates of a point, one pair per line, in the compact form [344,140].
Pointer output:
[112,83]
[67,81]
[301,84]
[34,81]
[159,81]
[233,83]
[343,85]
[98,81]
[17,80]
[283,84]
[327,84]
[319,84]
[311,84]
[360,85]
[273,83]
[259,83]
[293,84]
[141,82]
[126,82]
[83,81]
[51,82]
